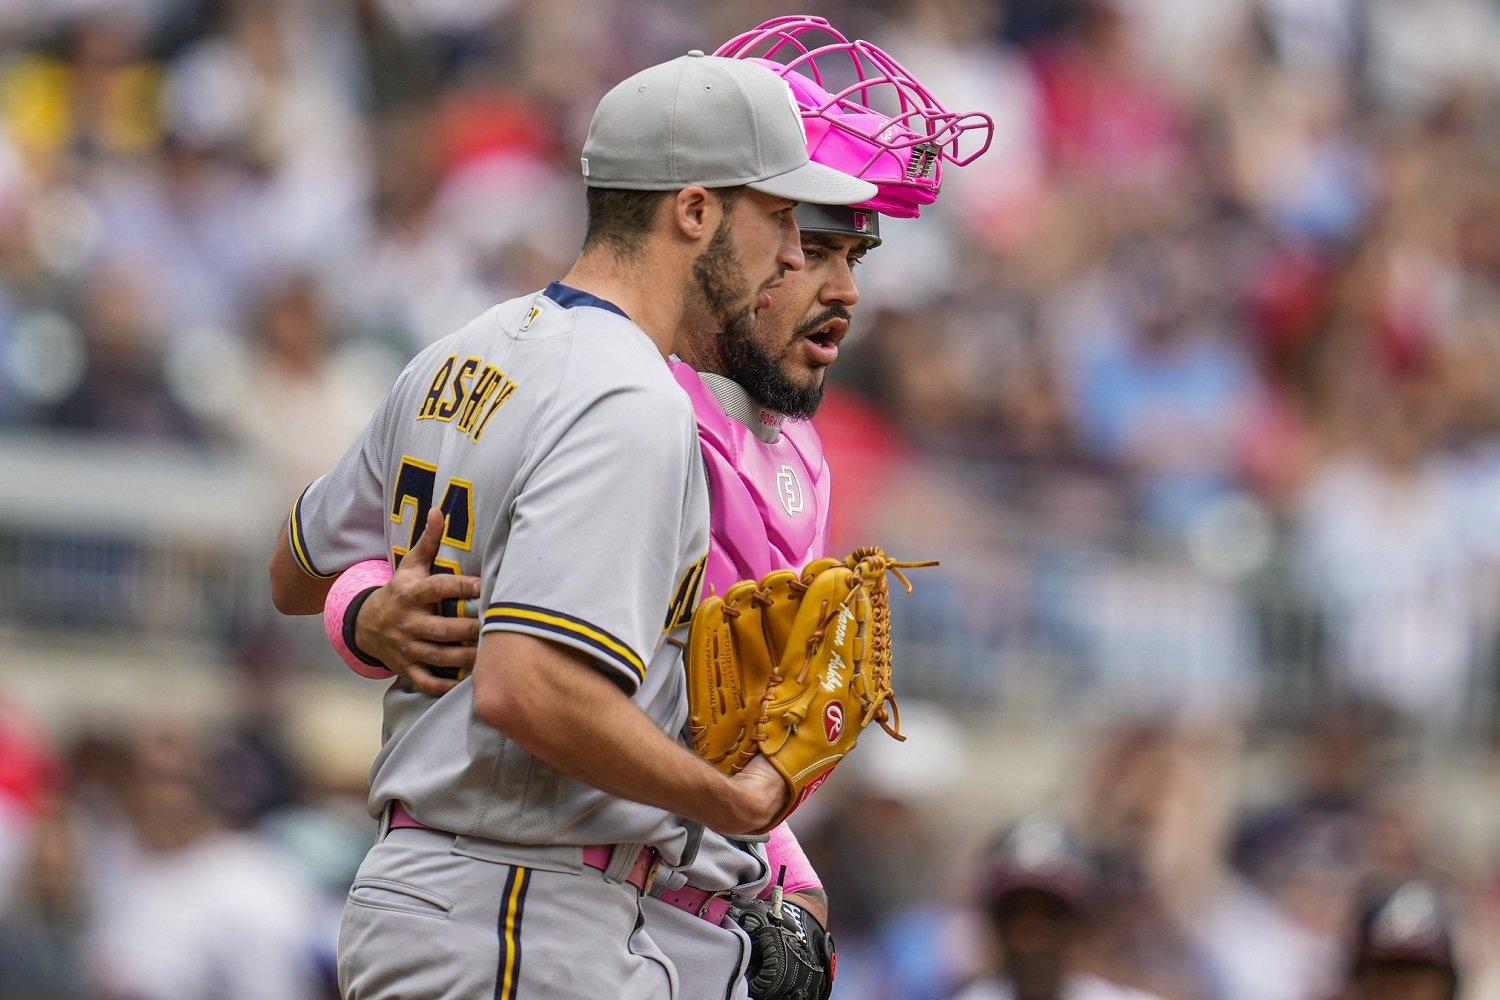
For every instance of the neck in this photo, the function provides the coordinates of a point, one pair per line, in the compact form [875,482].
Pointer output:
[697,348]
[648,288]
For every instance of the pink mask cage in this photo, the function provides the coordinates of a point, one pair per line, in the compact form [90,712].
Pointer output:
[864,113]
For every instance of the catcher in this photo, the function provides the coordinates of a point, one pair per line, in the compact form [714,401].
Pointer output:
[739,903]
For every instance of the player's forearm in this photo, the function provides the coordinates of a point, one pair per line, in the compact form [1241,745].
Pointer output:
[293,591]
[557,705]
[814,901]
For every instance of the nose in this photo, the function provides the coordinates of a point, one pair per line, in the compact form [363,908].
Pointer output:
[789,254]
[841,288]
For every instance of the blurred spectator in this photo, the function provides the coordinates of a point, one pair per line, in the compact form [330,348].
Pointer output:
[295,401]
[278,90]
[1152,802]
[123,388]
[1153,380]
[1403,946]
[94,98]
[195,231]
[42,929]
[415,279]
[1379,541]
[195,909]
[1105,120]
[1042,893]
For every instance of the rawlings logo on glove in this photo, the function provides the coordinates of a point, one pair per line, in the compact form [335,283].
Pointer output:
[770,654]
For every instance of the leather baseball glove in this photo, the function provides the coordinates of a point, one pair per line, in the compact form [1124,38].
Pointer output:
[791,955]
[794,666]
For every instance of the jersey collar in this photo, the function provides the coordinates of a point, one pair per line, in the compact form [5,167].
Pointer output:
[763,423]
[573,298]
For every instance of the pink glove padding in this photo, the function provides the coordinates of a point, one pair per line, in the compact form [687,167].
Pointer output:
[783,849]
[351,583]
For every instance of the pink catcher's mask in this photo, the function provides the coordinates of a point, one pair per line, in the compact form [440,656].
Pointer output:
[865,114]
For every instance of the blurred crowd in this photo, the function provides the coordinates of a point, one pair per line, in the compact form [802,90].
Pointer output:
[1194,379]
[1145,872]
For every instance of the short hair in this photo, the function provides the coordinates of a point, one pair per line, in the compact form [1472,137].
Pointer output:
[619,219]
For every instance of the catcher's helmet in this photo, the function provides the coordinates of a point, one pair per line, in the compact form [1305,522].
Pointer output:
[865,114]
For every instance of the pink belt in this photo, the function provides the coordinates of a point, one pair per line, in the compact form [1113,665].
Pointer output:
[711,906]
[641,874]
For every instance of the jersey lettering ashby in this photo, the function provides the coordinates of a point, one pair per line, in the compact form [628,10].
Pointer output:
[556,442]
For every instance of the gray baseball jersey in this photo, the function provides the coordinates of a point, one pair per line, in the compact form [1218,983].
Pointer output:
[552,434]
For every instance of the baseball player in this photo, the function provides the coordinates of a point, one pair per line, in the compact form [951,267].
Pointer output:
[523,815]
[768,482]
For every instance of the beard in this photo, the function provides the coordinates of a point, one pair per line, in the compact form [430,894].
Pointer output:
[763,375]
[720,277]
[760,375]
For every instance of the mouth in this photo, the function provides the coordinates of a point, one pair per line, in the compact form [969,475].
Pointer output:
[823,341]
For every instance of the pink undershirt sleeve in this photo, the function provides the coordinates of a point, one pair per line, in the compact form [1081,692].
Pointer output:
[353,582]
[783,850]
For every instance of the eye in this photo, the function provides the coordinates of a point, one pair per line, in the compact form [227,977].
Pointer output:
[812,251]
[856,259]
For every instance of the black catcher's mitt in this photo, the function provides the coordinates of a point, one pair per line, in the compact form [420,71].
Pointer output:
[791,955]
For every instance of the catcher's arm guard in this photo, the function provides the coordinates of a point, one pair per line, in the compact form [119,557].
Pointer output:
[794,666]
[791,956]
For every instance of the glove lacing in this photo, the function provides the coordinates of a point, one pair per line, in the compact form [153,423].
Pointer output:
[871,563]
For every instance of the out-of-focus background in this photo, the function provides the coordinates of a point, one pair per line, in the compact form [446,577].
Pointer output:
[1192,383]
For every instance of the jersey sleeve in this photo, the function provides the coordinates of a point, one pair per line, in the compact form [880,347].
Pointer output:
[596,540]
[340,518]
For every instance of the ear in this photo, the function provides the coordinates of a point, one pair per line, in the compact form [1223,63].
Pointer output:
[695,213]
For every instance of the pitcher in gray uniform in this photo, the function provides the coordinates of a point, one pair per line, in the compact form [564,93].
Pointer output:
[768,482]
[523,814]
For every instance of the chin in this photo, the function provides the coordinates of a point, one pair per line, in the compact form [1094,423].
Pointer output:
[807,385]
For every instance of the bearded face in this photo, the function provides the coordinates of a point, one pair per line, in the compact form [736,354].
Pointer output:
[762,367]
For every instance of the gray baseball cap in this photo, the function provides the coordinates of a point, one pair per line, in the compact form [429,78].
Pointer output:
[709,121]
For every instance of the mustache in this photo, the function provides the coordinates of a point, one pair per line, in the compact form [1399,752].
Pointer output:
[832,312]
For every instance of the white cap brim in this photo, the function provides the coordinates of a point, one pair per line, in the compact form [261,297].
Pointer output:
[817,184]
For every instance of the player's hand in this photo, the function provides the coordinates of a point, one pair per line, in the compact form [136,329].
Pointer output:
[760,794]
[399,624]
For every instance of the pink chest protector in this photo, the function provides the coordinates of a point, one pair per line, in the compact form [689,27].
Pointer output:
[769,502]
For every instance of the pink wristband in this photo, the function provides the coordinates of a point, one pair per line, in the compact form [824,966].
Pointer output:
[351,583]
[784,850]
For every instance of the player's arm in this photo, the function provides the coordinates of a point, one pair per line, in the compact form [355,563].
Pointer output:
[814,901]
[793,872]
[555,702]
[294,591]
